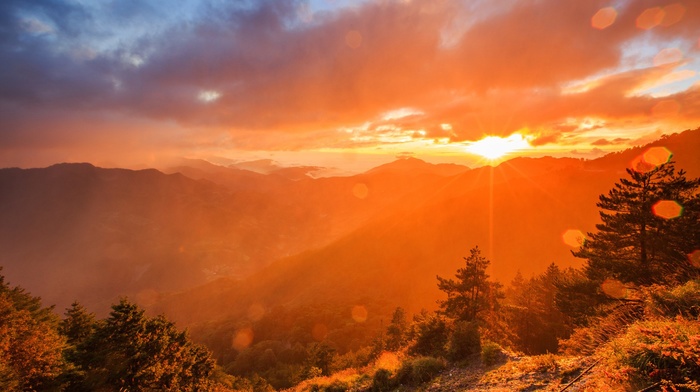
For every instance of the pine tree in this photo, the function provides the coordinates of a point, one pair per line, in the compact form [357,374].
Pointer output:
[471,293]
[78,325]
[396,331]
[632,244]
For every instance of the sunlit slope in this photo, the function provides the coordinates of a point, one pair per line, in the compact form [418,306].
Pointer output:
[516,212]
[396,256]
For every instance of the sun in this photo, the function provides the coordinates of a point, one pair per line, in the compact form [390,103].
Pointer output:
[494,147]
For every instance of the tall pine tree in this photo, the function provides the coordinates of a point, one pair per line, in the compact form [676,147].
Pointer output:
[471,293]
[633,244]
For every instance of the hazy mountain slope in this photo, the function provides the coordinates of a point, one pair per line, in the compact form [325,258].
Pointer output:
[78,232]
[516,212]
[74,231]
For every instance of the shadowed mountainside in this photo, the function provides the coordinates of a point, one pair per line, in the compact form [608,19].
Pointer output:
[74,231]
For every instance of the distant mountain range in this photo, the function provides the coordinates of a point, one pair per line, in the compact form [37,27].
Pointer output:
[230,237]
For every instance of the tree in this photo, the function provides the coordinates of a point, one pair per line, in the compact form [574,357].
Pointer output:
[471,293]
[429,335]
[633,244]
[320,357]
[30,347]
[78,325]
[396,331]
[533,314]
[133,352]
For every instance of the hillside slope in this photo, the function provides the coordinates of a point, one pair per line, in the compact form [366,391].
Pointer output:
[516,213]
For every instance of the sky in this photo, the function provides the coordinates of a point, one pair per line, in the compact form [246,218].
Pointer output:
[344,84]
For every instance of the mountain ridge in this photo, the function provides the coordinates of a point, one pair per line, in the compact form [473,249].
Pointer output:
[152,232]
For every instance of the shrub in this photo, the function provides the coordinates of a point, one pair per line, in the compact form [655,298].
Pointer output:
[419,370]
[464,340]
[381,382]
[544,362]
[337,386]
[682,300]
[613,323]
[660,350]
[430,333]
[425,368]
[404,375]
[490,353]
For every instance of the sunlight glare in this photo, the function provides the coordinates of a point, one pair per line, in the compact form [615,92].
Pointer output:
[388,361]
[494,147]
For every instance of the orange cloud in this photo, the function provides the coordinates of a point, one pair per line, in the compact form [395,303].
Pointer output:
[268,77]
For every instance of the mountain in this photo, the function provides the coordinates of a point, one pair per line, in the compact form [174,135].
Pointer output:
[231,238]
[516,213]
[77,232]
[413,166]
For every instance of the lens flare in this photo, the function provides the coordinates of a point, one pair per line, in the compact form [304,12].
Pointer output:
[657,156]
[614,288]
[650,159]
[650,18]
[242,339]
[574,238]
[359,314]
[667,209]
[353,39]
[360,190]
[604,18]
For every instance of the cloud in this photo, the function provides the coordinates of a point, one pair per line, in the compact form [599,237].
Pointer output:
[274,75]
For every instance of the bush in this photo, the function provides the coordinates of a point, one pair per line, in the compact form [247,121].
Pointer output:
[430,333]
[381,382]
[544,363]
[425,368]
[337,386]
[613,323]
[464,340]
[682,300]
[490,353]
[661,350]
[419,370]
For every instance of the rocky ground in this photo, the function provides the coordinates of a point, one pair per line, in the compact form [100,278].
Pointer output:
[518,373]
